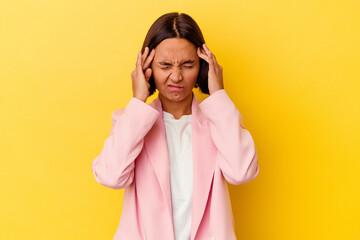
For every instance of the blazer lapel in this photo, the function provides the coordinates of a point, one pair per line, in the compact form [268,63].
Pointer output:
[156,146]
[203,160]
[204,164]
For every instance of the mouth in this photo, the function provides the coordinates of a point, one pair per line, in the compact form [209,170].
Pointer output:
[175,88]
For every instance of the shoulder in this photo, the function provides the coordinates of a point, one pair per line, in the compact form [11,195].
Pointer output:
[218,98]
[219,106]
[136,108]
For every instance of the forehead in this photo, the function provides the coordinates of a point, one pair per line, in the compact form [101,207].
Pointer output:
[175,49]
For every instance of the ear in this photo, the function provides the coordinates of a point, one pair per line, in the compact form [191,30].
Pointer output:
[148,73]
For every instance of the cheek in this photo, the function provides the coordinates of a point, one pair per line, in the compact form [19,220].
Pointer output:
[159,76]
[192,75]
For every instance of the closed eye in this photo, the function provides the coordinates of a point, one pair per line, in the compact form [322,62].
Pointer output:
[184,67]
[167,65]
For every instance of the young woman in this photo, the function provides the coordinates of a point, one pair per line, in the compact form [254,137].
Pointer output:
[175,155]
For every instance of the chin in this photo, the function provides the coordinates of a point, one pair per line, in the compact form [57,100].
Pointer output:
[175,97]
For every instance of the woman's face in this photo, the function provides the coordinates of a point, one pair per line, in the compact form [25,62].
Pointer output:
[175,68]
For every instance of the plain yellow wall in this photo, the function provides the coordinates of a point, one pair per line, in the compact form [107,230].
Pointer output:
[291,68]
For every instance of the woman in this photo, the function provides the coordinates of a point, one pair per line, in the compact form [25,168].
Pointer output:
[175,155]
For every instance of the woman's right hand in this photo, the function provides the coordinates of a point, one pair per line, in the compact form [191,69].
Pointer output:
[141,75]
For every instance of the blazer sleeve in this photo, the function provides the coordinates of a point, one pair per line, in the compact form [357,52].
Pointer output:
[114,167]
[237,155]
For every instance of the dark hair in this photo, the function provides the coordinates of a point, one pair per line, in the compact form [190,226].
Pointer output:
[175,25]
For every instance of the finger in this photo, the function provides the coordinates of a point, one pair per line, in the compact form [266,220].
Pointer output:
[207,50]
[202,55]
[143,56]
[138,63]
[202,50]
[149,59]
[208,59]
[138,59]
[212,57]
[216,65]
[211,64]
[209,55]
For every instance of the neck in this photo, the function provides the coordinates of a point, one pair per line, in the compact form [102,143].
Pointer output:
[177,109]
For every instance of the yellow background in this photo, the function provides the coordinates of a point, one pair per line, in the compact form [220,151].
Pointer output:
[291,68]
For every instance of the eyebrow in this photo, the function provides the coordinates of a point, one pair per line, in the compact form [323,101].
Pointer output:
[184,62]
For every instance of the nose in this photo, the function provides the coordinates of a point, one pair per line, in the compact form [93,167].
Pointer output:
[176,75]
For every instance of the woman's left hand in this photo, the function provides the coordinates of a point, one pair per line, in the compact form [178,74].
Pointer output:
[215,75]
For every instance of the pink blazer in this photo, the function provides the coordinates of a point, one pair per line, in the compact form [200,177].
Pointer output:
[135,157]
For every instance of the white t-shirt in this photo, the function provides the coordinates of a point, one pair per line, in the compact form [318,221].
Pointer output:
[179,143]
